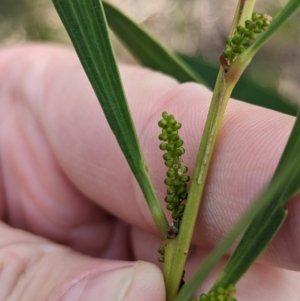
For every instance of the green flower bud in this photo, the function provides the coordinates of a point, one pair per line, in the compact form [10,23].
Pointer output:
[171,190]
[162,123]
[247,33]
[177,126]
[231,289]
[171,173]
[184,169]
[167,156]
[168,181]
[260,23]
[163,137]
[220,291]
[181,208]
[236,40]
[169,199]
[181,190]
[240,29]
[228,42]
[163,146]
[257,30]
[169,163]
[165,115]
[180,151]
[252,36]
[249,24]
[175,182]
[161,259]
[169,130]
[174,137]
[204,297]
[185,178]
[255,16]
[235,50]
[175,200]
[161,251]
[170,147]
[227,53]
[175,215]
[245,42]
[266,24]
[172,122]
[238,49]
[178,143]
[170,207]
[183,196]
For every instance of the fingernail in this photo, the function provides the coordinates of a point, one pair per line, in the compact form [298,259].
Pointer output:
[108,286]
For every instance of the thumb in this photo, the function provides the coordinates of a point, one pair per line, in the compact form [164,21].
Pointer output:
[35,269]
[131,283]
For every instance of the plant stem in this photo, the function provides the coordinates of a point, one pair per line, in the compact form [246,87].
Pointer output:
[154,205]
[243,12]
[176,250]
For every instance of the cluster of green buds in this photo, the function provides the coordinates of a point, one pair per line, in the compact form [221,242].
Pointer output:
[176,175]
[243,36]
[219,294]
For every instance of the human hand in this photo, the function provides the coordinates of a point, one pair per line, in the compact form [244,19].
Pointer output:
[64,181]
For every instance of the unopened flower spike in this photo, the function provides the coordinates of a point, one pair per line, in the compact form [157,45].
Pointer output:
[177,178]
[219,294]
[243,37]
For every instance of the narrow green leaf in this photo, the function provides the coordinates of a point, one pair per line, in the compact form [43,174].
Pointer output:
[292,147]
[246,90]
[86,25]
[146,49]
[255,240]
[290,171]
[266,224]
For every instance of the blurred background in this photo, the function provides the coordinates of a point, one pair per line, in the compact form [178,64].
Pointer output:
[193,27]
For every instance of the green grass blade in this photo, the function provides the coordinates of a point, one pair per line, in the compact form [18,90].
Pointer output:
[246,90]
[146,49]
[87,27]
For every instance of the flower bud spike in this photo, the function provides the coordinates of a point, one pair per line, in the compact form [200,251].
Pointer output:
[176,175]
[243,37]
[219,294]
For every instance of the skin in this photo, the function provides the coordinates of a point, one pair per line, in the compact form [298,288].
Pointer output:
[75,225]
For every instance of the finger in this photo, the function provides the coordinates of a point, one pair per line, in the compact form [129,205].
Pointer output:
[35,193]
[240,166]
[33,268]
